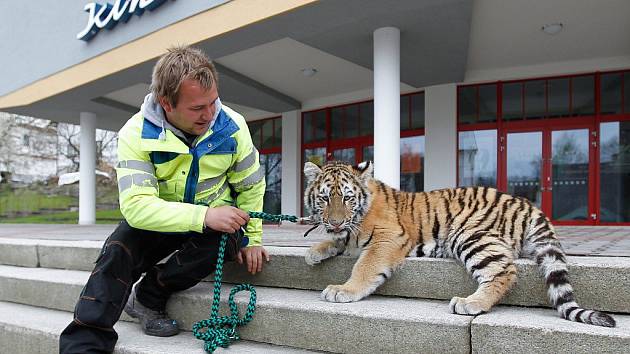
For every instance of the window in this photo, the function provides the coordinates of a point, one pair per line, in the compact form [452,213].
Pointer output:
[610,91]
[583,96]
[477,104]
[26,140]
[266,133]
[411,164]
[314,126]
[477,158]
[267,137]
[614,173]
[548,98]
[412,111]
[272,163]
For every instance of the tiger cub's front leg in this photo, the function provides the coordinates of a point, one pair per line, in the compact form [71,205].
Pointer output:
[375,265]
[324,250]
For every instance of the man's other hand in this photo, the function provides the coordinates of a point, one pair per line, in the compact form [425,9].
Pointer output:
[253,256]
[226,219]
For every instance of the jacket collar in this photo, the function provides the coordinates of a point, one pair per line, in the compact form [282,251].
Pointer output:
[222,129]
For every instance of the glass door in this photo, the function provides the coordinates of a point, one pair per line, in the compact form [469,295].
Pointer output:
[553,169]
[570,178]
[524,165]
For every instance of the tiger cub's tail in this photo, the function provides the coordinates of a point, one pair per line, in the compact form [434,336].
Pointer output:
[552,262]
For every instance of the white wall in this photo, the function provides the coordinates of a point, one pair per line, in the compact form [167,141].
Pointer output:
[440,165]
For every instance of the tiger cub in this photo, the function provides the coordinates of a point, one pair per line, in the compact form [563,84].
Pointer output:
[482,228]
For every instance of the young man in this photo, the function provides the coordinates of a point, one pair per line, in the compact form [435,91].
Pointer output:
[187,173]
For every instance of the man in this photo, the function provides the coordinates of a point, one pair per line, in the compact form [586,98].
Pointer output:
[185,162]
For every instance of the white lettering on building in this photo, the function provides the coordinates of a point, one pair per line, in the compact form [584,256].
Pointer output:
[108,15]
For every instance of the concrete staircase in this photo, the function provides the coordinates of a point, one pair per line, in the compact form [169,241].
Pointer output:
[40,281]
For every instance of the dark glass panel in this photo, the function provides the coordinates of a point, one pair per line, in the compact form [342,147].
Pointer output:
[513,101]
[487,103]
[254,130]
[277,141]
[267,134]
[337,117]
[583,100]
[417,111]
[467,103]
[610,91]
[534,99]
[404,113]
[319,124]
[352,121]
[558,95]
[367,118]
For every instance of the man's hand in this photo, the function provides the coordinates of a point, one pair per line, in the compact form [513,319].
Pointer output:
[226,219]
[253,256]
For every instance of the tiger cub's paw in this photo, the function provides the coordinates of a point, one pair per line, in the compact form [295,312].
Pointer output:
[339,293]
[464,306]
[314,256]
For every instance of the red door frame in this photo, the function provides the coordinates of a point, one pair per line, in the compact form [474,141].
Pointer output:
[546,130]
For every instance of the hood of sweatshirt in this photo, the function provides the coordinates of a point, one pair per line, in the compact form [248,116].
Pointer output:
[154,113]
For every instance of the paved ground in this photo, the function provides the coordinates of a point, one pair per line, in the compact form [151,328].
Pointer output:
[577,240]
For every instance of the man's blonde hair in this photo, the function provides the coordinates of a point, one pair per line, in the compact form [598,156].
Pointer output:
[179,64]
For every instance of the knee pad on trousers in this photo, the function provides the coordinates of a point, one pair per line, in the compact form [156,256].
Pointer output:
[103,297]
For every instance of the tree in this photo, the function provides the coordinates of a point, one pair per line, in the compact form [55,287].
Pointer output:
[7,123]
[69,144]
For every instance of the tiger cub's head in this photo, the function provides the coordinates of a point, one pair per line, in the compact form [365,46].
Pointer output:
[337,195]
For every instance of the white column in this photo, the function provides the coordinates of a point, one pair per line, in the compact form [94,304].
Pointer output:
[87,166]
[387,105]
[291,162]
[440,137]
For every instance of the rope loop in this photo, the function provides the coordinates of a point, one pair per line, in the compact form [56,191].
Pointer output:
[221,331]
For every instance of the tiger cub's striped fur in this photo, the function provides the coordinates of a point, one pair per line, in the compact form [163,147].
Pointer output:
[482,228]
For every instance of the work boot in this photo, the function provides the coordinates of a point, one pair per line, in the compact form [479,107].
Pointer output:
[153,322]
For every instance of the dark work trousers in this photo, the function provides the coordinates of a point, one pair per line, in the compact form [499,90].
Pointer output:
[126,254]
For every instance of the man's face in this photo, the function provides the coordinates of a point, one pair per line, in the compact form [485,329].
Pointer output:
[195,107]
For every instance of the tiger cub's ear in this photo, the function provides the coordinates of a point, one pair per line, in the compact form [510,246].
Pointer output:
[311,171]
[366,169]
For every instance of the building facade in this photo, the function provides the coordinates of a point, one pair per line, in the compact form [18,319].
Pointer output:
[531,98]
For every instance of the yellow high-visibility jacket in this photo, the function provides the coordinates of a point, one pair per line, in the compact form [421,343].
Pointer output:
[166,186]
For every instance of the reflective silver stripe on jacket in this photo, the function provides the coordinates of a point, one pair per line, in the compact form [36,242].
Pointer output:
[209,183]
[247,162]
[212,197]
[137,165]
[137,179]
[251,179]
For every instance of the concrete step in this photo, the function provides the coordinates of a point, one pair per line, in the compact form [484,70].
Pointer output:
[297,318]
[594,278]
[509,329]
[33,330]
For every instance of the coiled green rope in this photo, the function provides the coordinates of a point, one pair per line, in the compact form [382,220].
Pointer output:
[220,331]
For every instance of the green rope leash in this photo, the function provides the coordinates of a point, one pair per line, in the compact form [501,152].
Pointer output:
[220,331]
